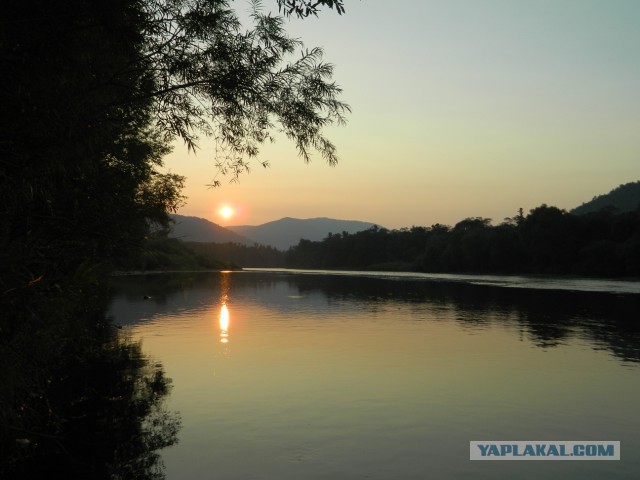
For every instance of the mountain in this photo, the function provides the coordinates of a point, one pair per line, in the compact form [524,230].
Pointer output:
[287,232]
[625,198]
[194,229]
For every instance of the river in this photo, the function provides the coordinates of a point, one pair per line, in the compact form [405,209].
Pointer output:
[370,375]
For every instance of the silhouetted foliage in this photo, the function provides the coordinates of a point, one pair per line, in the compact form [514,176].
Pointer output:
[79,178]
[547,240]
[212,77]
[304,8]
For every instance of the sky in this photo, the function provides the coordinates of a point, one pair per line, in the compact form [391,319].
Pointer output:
[460,108]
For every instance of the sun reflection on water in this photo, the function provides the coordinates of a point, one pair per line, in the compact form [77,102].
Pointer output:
[223,318]
[224,323]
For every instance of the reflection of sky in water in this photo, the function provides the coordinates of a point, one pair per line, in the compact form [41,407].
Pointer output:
[507,281]
[330,377]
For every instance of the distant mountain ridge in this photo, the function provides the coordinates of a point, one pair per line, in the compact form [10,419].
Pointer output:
[195,229]
[280,234]
[625,198]
[288,231]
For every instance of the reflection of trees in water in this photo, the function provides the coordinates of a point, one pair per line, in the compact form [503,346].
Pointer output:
[94,410]
[546,317]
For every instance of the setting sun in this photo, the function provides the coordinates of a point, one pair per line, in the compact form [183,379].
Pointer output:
[226,212]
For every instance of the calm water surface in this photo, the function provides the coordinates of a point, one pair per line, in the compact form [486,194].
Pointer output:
[299,375]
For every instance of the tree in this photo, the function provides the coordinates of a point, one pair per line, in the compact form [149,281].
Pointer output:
[78,166]
[552,239]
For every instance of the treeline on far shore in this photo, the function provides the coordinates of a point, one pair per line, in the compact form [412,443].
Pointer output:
[159,253]
[546,241]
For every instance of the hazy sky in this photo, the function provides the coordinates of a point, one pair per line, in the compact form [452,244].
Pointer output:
[460,109]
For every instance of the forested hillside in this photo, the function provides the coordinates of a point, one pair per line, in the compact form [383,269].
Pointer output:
[547,241]
[623,198]
[194,229]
